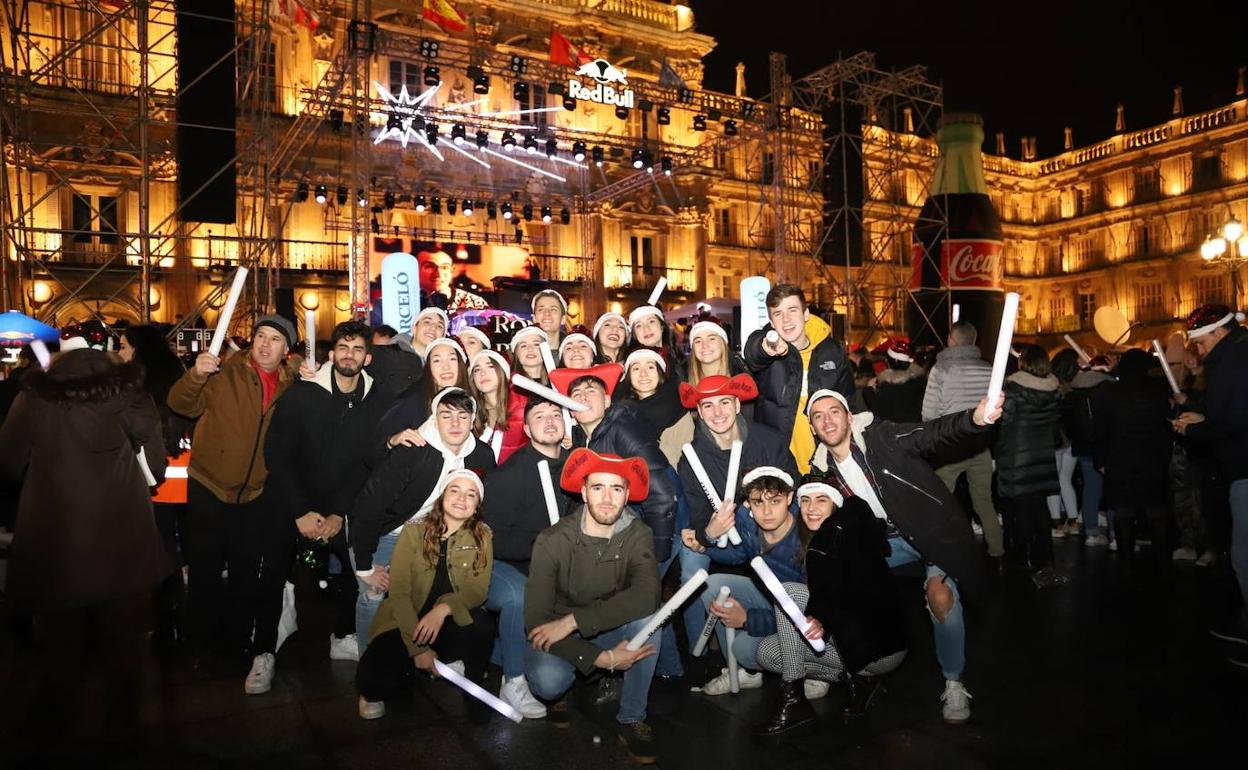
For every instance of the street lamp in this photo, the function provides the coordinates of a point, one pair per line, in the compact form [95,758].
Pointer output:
[1229,246]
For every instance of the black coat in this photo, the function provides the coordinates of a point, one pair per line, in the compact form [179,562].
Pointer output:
[515,507]
[852,592]
[761,445]
[1078,410]
[394,368]
[923,510]
[780,379]
[397,488]
[1225,428]
[623,432]
[1030,432]
[898,394]
[314,448]
[1133,442]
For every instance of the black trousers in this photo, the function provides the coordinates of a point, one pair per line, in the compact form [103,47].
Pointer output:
[256,546]
[1127,522]
[1029,540]
[111,633]
[344,585]
[170,519]
[386,671]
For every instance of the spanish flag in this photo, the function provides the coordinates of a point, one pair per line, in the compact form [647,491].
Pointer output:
[445,15]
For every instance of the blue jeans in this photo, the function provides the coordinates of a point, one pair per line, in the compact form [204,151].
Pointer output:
[951,634]
[366,602]
[506,597]
[747,595]
[550,676]
[1093,482]
[1239,536]
[695,611]
[669,656]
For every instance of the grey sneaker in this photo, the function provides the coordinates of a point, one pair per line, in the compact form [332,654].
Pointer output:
[260,678]
[956,703]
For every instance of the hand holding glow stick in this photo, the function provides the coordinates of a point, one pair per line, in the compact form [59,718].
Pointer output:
[658,291]
[730,488]
[1005,336]
[1075,347]
[734,670]
[704,481]
[147,469]
[548,491]
[665,612]
[1165,367]
[548,358]
[785,601]
[476,691]
[227,312]
[550,394]
[708,627]
[309,334]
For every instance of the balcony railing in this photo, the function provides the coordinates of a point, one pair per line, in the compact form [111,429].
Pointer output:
[554,267]
[741,237]
[626,276]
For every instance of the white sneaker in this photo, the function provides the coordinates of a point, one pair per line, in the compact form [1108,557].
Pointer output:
[515,692]
[1101,520]
[1207,559]
[1093,541]
[815,688]
[1113,545]
[457,666]
[721,686]
[260,678]
[1185,553]
[346,648]
[956,708]
[371,709]
[977,530]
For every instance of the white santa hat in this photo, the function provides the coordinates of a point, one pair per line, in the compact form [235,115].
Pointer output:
[494,356]
[707,327]
[821,488]
[575,337]
[641,312]
[645,354]
[607,316]
[436,311]
[475,333]
[549,293]
[449,342]
[766,470]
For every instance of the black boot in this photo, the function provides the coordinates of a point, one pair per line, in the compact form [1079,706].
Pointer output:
[794,712]
[862,690]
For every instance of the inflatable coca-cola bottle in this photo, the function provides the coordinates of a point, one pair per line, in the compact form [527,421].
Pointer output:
[956,250]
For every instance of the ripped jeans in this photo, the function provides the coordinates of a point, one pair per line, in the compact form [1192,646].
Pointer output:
[951,634]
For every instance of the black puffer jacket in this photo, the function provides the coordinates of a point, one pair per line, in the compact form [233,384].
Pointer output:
[623,432]
[898,394]
[780,379]
[515,506]
[1030,433]
[1133,434]
[1225,428]
[852,591]
[1078,410]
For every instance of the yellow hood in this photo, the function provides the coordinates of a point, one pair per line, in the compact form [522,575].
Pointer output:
[817,330]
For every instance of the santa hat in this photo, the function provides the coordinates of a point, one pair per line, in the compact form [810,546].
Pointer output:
[742,386]
[475,333]
[436,311]
[461,473]
[821,394]
[526,331]
[899,350]
[817,486]
[441,394]
[645,354]
[449,342]
[583,462]
[643,311]
[577,334]
[766,470]
[708,327]
[609,374]
[1208,318]
[492,355]
[549,293]
[607,316]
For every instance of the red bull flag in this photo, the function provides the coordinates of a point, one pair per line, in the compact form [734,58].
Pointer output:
[445,15]
[294,12]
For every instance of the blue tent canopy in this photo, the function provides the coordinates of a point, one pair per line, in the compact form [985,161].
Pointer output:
[18,329]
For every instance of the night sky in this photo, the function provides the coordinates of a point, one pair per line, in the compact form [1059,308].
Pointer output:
[1028,68]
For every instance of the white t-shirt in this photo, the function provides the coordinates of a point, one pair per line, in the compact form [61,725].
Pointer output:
[860,485]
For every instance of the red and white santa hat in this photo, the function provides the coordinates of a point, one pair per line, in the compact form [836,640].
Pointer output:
[641,312]
[577,334]
[899,350]
[708,327]
[449,342]
[582,462]
[1208,318]
[475,333]
[549,293]
[461,473]
[742,386]
[435,311]
[526,331]
[608,316]
[820,487]
[645,354]
[491,355]
[441,394]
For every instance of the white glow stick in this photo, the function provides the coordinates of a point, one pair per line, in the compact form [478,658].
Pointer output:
[704,481]
[1009,314]
[734,670]
[227,312]
[548,358]
[730,488]
[550,394]
[665,612]
[567,423]
[548,491]
[309,333]
[147,469]
[1075,347]
[1165,367]
[658,291]
[772,337]
[233,345]
[40,349]
[475,690]
[785,601]
[708,627]
[957,312]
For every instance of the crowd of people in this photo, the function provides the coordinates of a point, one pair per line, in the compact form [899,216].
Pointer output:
[523,507]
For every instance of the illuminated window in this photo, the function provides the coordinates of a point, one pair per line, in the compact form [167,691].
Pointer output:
[405,73]
[1087,309]
[535,98]
[1210,288]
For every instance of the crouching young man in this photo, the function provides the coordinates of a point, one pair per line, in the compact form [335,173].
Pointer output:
[593,583]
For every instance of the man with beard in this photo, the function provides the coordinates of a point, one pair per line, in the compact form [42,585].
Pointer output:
[593,583]
[314,451]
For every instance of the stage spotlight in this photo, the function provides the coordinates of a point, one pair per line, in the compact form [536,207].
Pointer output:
[639,158]
[530,144]
[435,205]
[730,128]
[565,216]
[491,210]
[546,215]
[420,204]
[665,163]
[507,211]
[388,199]
[598,156]
[552,147]
[520,92]
[433,75]
[458,133]
[663,117]
[429,48]
[451,206]
[699,122]
[509,141]
[341,195]
[528,212]
[467,208]
[578,150]
[483,139]
[621,113]
[360,198]
[301,192]
[322,194]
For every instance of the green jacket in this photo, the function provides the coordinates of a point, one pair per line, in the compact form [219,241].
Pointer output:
[602,583]
[411,578]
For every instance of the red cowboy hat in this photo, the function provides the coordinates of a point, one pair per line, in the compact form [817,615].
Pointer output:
[583,462]
[742,386]
[610,374]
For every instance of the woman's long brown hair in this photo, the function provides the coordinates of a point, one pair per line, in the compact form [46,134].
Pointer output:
[502,397]
[435,530]
[697,370]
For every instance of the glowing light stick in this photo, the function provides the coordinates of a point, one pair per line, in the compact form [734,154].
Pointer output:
[785,601]
[1075,347]
[550,394]
[1009,314]
[548,491]
[665,612]
[658,291]
[730,489]
[1165,367]
[475,690]
[708,627]
[309,333]
[227,312]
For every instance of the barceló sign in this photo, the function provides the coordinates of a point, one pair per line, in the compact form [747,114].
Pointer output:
[610,85]
[400,291]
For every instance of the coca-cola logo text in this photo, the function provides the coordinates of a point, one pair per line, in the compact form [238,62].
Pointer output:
[972,264]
